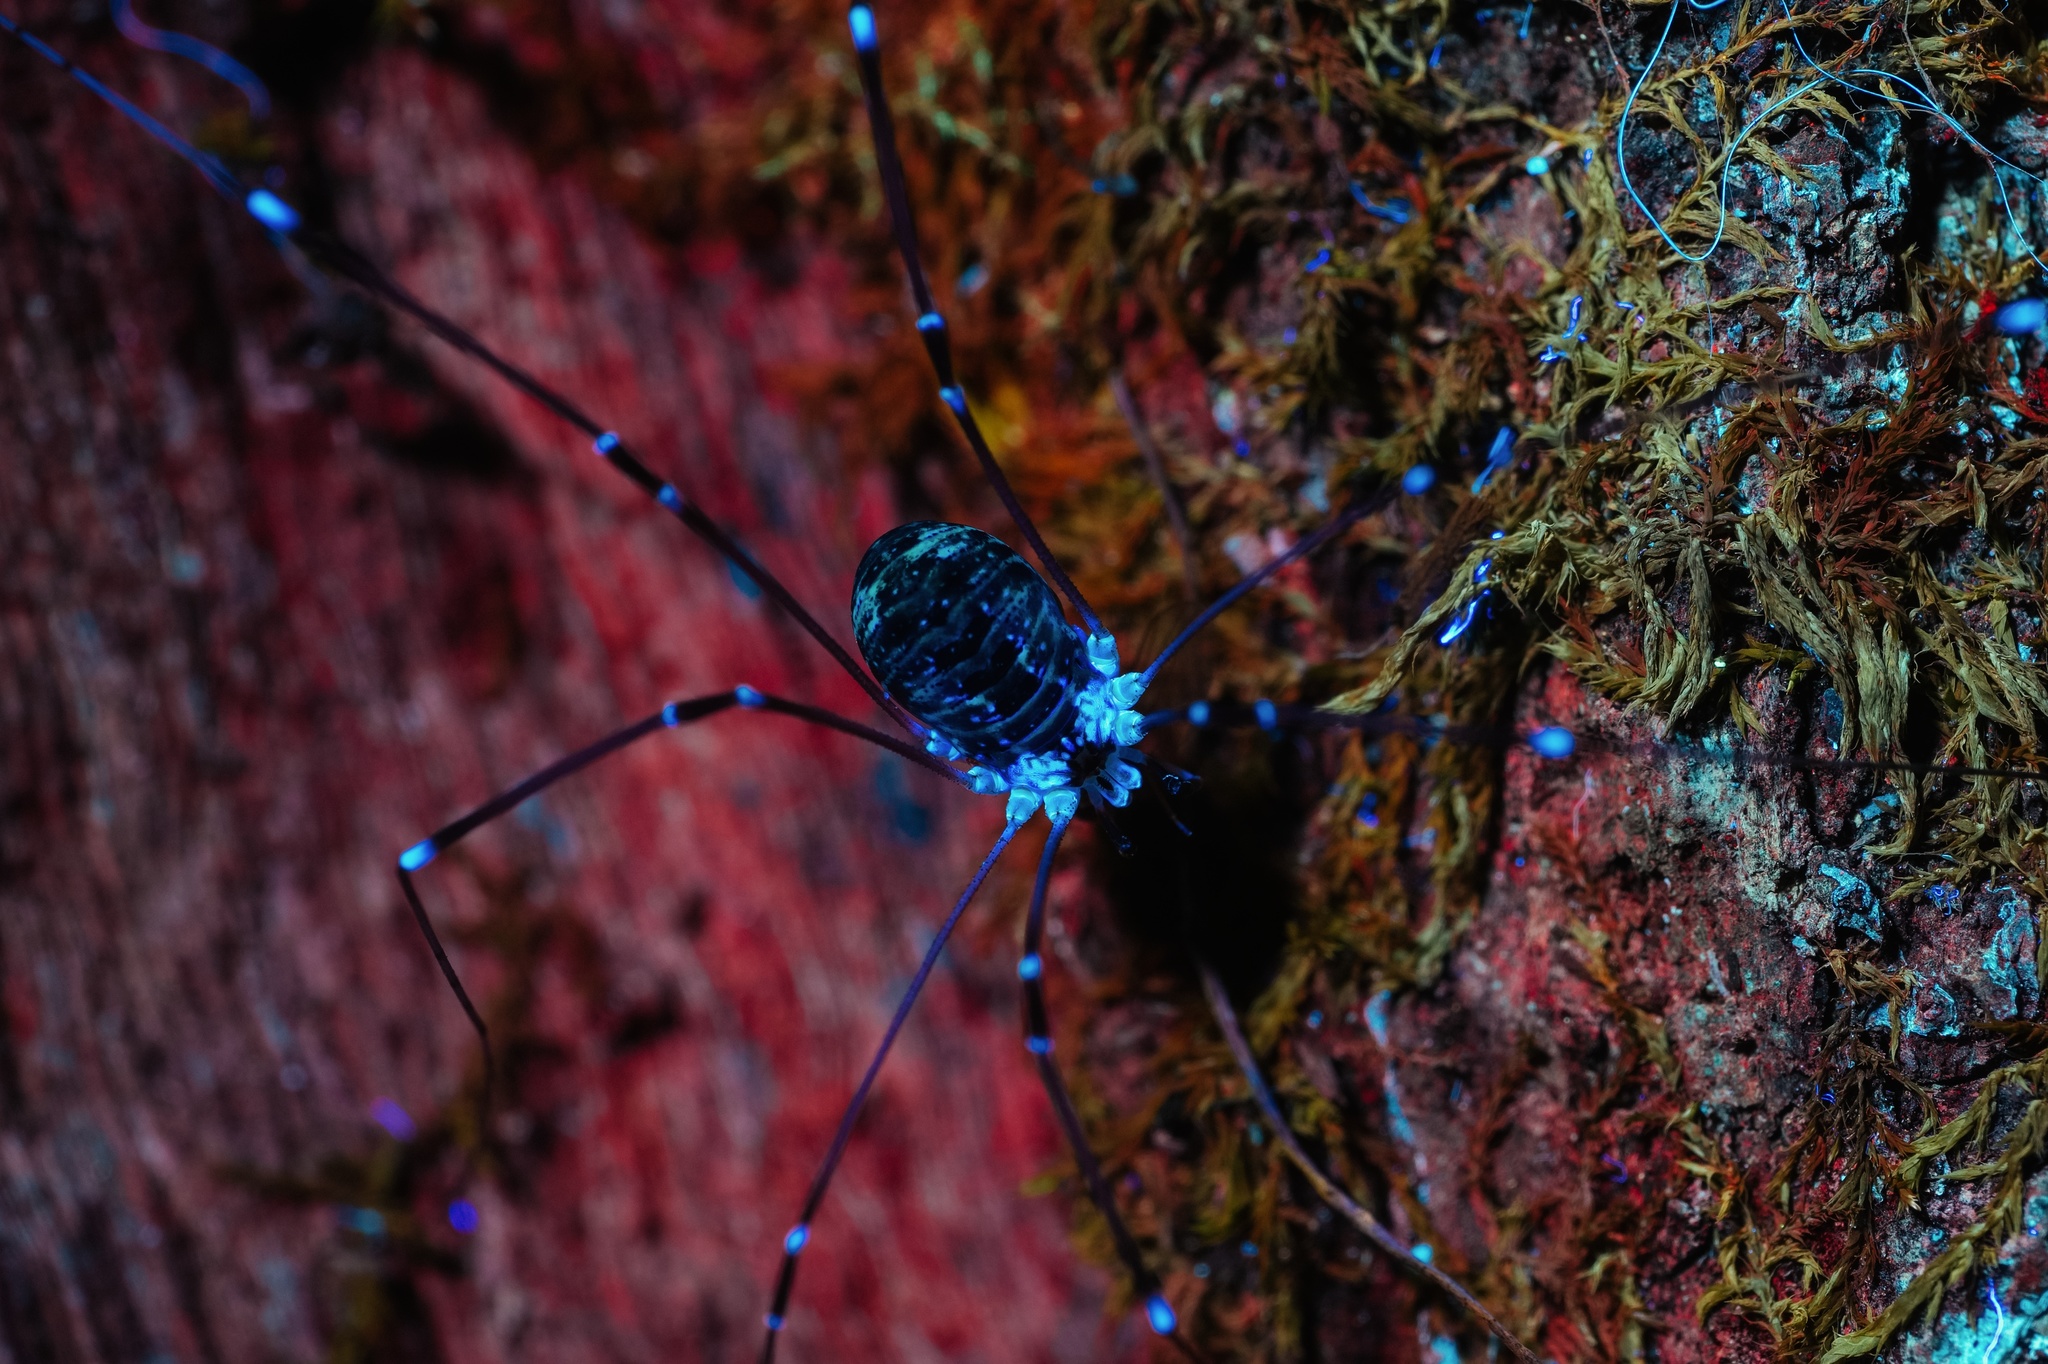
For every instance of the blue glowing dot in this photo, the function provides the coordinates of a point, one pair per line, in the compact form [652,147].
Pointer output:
[1422,1252]
[931,322]
[669,497]
[1496,535]
[773,1321]
[1538,165]
[462,1216]
[273,212]
[1243,448]
[418,855]
[2023,316]
[387,1114]
[1248,1249]
[1159,1312]
[1198,714]
[861,20]
[1315,1018]
[1418,480]
[671,715]
[1030,967]
[1038,1046]
[1553,741]
[368,1221]
[1269,718]
[606,443]
[799,1236]
[1257,1134]
[954,399]
[748,697]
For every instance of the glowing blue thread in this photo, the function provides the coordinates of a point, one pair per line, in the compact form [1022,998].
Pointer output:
[462,1215]
[954,399]
[387,1114]
[861,20]
[1553,741]
[1479,573]
[1268,717]
[1159,1312]
[1549,356]
[418,855]
[1538,165]
[1394,210]
[794,1242]
[931,322]
[748,697]
[192,49]
[1498,457]
[1991,1290]
[671,715]
[606,444]
[1418,480]
[1038,1046]
[1317,261]
[273,212]
[1030,966]
[1461,624]
[1436,54]
[2022,317]
[1198,714]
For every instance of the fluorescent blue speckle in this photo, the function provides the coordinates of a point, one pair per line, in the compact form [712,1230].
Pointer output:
[462,1216]
[772,1321]
[1460,625]
[861,20]
[1038,1046]
[1198,714]
[1268,717]
[1418,480]
[1030,967]
[418,855]
[2023,316]
[671,715]
[367,1221]
[669,497]
[748,697]
[954,399]
[1422,1252]
[1553,741]
[794,1242]
[749,589]
[1317,261]
[387,1114]
[931,322]
[1248,1249]
[273,212]
[1159,1312]
[1538,165]
[1315,1018]
[606,443]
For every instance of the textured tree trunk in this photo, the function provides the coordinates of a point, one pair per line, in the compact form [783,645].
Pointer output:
[287,586]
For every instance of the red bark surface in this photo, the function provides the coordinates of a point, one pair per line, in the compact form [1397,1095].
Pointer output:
[283,592]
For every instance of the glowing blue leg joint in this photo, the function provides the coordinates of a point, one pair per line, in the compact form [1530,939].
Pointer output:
[772,1321]
[273,212]
[671,715]
[1062,806]
[669,497]
[861,20]
[931,322]
[748,698]
[606,444]
[1030,967]
[1102,655]
[955,399]
[1038,1046]
[799,1236]
[1159,1312]
[1553,741]
[418,855]
[1022,806]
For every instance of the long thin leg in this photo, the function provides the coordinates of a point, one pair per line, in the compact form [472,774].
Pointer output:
[285,224]
[1330,1191]
[1159,1312]
[1309,544]
[931,326]
[670,716]
[799,1236]
[1155,465]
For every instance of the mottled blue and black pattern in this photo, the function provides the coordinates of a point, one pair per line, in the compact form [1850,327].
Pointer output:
[960,630]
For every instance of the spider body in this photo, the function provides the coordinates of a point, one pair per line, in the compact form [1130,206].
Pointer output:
[971,640]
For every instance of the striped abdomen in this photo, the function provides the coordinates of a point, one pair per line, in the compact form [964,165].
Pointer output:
[968,637]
